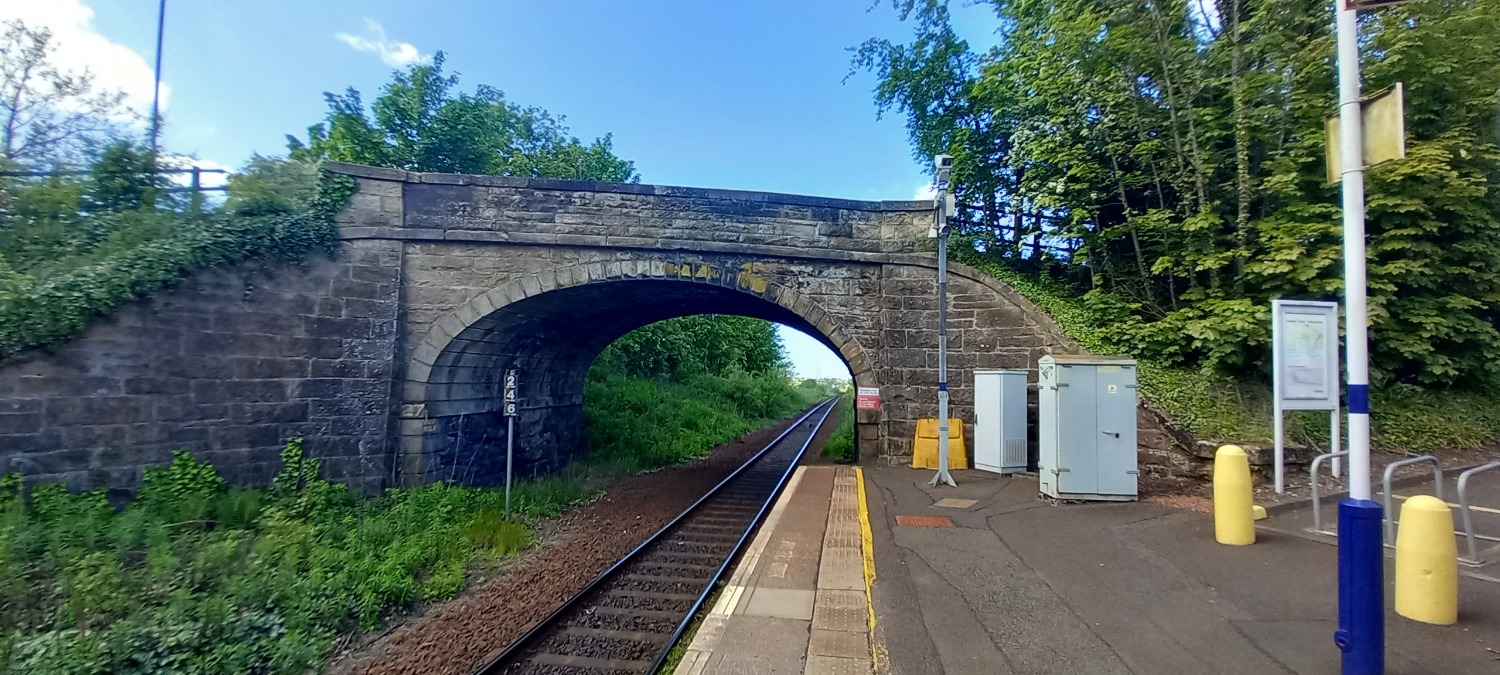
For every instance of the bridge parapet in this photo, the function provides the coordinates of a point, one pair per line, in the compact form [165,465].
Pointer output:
[395,204]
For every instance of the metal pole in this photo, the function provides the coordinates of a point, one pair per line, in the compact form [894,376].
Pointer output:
[1278,429]
[942,477]
[1361,633]
[195,200]
[161,22]
[510,442]
[1334,430]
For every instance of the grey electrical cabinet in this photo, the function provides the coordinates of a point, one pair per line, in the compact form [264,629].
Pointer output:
[1086,427]
[1000,420]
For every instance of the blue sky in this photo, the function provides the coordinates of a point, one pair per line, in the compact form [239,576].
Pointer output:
[744,95]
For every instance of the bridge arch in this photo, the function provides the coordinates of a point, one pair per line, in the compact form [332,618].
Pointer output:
[551,325]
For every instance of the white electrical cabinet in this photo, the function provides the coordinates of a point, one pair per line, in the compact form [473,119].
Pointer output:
[1000,420]
[1086,428]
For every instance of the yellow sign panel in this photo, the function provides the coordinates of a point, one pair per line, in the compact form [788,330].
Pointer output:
[1384,120]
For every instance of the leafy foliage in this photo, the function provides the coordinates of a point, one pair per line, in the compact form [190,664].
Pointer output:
[196,577]
[1215,407]
[49,116]
[840,445]
[673,390]
[268,185]
[704,343]
[419,123]
[56,277]
[1165,161]
[641,424]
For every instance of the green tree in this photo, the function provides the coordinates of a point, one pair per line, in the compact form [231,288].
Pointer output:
[48,115]
[123,177]
[705,344]
[421,122]
[1173,152]
[271,185]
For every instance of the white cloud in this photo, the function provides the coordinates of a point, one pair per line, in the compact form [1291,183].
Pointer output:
[78,46]
[391,53]
[925,192]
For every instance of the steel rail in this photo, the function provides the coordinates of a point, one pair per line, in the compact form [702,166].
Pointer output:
[518,647]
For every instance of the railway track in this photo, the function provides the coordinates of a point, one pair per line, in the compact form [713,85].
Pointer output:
[627,619]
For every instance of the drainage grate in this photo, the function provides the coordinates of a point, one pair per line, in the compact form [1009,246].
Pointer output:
[924,521]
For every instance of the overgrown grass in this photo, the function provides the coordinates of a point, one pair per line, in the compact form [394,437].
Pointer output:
[194,576]
[1213,407]
[840,445]
[636,424]
[197,577]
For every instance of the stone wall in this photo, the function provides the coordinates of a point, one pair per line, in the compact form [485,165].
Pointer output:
[861,272]
[388,359]
[227,365]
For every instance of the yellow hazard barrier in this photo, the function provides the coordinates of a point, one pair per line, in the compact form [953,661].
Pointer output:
[924,450]
[1427,562]
[1234,510]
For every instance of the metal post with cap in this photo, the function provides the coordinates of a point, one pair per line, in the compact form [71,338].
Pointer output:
[511,385]
[944,166]
[1361,559]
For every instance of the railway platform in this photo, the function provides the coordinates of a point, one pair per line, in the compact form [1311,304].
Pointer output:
[988,578]
[1024,585]
[797,601]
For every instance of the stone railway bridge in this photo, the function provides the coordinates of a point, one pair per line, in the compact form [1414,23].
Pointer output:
[388,359]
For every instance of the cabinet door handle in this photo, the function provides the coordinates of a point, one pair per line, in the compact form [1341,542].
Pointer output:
[1116,434]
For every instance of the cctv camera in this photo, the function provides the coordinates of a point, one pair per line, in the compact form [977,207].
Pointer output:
[943,161]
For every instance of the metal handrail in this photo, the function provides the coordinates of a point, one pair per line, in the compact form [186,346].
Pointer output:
[1316,502]
[1385,486]
[1463,509]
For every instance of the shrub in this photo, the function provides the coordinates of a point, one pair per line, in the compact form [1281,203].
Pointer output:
[196,577]
[840,444]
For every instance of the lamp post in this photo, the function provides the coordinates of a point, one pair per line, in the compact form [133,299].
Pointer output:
[161,22]
[1361,632]
[944,165]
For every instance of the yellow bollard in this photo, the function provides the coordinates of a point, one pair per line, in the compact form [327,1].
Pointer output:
[1427,562]
[1234,517]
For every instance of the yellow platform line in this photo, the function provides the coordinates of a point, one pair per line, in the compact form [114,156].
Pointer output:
[1482,509]
[867,550]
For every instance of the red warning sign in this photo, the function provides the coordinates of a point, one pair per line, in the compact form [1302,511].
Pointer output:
[867,398]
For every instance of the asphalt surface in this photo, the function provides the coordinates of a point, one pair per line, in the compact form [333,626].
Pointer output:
[1023,585]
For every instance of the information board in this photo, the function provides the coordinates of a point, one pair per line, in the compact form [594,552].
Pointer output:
[1305,354]
[1304,368]
[867,398]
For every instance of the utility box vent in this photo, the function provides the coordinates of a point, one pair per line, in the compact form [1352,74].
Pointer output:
[1087,427]
[1000,420]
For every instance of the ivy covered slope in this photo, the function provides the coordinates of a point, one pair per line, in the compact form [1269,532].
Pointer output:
[1218,407]
[62,268]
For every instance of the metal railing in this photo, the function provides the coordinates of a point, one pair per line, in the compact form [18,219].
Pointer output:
[1464,512]
[1317,502]
[1385,486]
